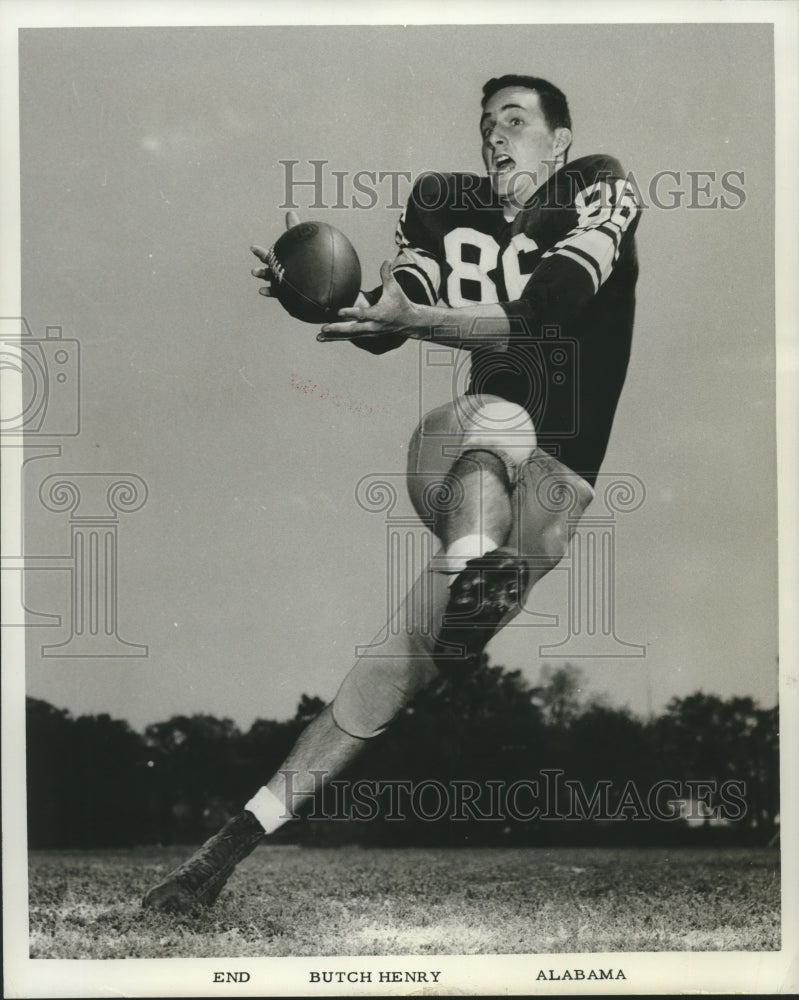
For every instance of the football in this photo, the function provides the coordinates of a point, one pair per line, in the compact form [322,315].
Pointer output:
[315,272]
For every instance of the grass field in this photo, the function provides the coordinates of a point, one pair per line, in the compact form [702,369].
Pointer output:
[353,901]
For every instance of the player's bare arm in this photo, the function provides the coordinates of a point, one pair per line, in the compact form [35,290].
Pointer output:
[395,313]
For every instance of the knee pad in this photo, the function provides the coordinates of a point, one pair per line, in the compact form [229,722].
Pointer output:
[467,423]
[501,427]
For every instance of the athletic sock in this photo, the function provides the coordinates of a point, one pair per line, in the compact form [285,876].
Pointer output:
[267,808]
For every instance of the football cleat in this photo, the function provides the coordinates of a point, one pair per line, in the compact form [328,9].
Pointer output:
[481,597]
[198,881]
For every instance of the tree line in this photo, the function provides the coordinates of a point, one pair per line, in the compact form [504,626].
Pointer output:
[483,757]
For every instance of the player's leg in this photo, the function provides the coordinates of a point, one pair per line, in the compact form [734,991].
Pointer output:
[547,502]
[323,746]
[380,685]
[461,475]
[321,753]
[483,513]
[485,581]
[461,470]
[482,440]
[369,698]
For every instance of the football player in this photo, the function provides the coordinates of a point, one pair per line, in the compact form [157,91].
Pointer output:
[532,270]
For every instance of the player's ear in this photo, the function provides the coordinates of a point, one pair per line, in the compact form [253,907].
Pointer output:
[563,139]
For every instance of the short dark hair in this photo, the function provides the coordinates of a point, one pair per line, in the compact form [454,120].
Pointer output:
[553,102]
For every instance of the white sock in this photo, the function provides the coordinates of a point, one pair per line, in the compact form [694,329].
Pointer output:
[267,808]
[466,548]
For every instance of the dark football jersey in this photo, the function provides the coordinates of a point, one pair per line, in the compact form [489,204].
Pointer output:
[564,271]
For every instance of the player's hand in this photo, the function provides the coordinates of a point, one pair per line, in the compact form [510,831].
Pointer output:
[292,220]
[392,313]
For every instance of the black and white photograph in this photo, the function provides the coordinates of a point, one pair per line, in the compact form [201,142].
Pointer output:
[399,439]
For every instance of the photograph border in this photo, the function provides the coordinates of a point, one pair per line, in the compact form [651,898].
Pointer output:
[646,973]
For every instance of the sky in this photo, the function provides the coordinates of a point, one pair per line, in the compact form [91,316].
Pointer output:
[151,160]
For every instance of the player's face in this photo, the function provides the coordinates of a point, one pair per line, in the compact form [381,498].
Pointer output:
[519,149]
